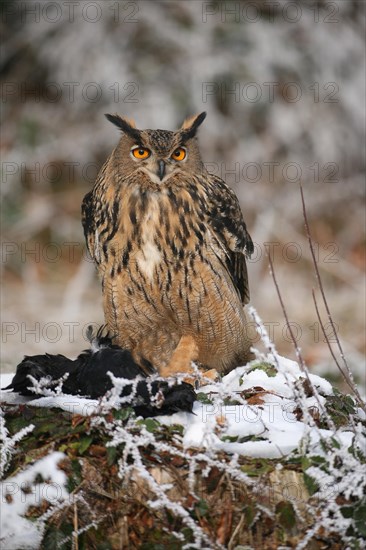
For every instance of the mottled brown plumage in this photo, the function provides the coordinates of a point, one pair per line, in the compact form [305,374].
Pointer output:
[169,242]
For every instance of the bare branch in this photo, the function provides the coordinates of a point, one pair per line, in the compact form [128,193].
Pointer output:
[296,346]
[346,378]
[320,284]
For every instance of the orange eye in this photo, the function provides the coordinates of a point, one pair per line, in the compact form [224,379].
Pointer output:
[179,154]
[141,153]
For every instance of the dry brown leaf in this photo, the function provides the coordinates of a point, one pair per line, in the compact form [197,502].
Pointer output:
[225,522]
[256,399]
[97,450]
[77,419]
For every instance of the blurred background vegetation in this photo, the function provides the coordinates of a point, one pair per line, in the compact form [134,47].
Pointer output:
[284,87]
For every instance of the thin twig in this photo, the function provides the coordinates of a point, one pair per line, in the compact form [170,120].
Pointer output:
[344,374]
[297,349]
[320,284]
[298,389]
[75,538]
[327,339]
[236,531]
[296,346]
[310,239]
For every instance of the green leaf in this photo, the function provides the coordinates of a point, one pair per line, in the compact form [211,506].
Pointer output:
[231,402]
[310,483]
[202,397]
[46,427]
[294,459]
[175,429]
[187,533]
[85,443]
[269,369]
[335,443]
[359,519]
[123,414]
[112,455]
[150,424]
[317,460]
[347,511]
[349,404]
[249,514]
[260,467]
[201,507]
[286,514]
[252,437]
[305,462]
[76,478]
[14,425]
[340,407]
[230,438]
[55,534]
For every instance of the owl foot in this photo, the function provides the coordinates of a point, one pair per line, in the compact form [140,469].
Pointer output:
[203,378]
[181,360]
[211,374]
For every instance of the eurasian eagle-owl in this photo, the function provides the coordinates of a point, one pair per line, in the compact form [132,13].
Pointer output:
[169,242]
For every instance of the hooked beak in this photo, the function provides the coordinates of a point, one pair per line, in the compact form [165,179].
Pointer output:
[161,169]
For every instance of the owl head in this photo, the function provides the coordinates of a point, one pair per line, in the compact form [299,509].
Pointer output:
[160,154]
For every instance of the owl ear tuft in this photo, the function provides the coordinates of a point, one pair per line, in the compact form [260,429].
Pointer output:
[127,125]
[191,124]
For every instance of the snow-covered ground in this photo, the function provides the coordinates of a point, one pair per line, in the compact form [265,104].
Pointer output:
[268,409]
[252,411]
[20,492]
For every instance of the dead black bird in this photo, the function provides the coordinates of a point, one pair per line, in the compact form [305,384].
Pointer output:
[87,376]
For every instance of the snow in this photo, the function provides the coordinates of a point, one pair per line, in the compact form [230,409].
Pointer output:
[69,403]
[281,437]
[20,492]
[262,410]
[322,385]
[225,427]
[229,427]
[273,421]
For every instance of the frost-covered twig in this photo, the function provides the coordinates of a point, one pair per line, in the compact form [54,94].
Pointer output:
[299,393]
[339,471]
[347,374]
[46,385]
[8,443]
[25,490]
[132,463]
[351,384]
[297,349]
[132,444]
[91,525]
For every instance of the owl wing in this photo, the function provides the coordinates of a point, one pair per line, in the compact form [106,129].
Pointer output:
[227,222]
[88,221]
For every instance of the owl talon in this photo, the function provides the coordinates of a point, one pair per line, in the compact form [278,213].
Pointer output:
[181,360]
[203,379]
[212,374]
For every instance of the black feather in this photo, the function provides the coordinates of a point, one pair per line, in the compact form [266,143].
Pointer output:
[192,130]
[125,126]
[87,375]
[53,367]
